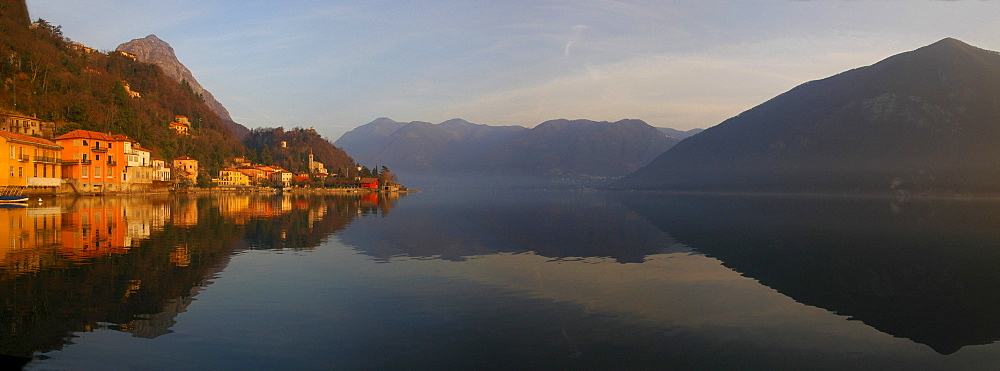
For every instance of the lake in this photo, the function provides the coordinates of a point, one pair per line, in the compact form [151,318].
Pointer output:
[493,279]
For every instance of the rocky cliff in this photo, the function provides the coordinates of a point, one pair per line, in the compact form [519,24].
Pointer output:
[151,49]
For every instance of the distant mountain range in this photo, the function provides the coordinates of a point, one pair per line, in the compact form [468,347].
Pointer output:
[151,49]
[553,149]
[924,121]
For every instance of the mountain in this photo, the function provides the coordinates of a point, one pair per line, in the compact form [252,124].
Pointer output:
[48,75]
[577,148]
[365,137]
[151,49]
[679,134]
[425,148]
[923,121]
[553,150]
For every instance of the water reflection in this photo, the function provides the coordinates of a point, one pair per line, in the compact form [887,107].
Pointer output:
[560,225]
[481,279]
[924,270]
[920,269]
[132,264]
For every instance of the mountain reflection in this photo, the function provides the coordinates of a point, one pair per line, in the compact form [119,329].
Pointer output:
[923,270]
[133,263]
[459,225]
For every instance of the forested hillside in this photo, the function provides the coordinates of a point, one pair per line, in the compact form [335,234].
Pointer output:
[264,146]
[44,73]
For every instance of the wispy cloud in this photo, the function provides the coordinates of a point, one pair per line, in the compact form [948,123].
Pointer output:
[575,34]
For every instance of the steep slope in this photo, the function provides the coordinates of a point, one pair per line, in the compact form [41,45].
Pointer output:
[679,134]
[48,75]
[577,148]
[363,138]
[151,49]
[15,11]
[920,121]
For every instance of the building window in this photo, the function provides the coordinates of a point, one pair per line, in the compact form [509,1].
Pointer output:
[97,171]
[85,143]
[97,157]
[35,173]
[84,170]
[20,172]
[11,171]
[76,142]
[11,151]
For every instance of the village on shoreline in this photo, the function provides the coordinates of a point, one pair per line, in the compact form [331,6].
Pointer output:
[83,162]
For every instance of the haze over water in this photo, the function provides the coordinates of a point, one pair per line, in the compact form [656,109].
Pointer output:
[500,279]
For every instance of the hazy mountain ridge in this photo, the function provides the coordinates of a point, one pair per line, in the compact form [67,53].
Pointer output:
[152,49]
[920,121]
[577,148]
[360,139]
[425,148]
[554,149]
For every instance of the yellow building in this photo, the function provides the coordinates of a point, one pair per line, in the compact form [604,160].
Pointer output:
[181,125]
[29,161]
[186,169]
[27,125]
[233,178]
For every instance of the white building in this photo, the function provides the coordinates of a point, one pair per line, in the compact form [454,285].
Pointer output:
[161,172]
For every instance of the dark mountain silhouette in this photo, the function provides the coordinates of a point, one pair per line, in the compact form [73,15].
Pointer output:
[151,49]
[679,134]
[921,121]
[565,148]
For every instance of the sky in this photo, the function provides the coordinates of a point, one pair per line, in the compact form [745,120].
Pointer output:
[336,65]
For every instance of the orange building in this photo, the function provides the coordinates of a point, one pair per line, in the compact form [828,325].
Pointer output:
[92,160]
[31,162]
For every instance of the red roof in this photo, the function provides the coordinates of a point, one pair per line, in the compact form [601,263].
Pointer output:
[123,138]
[27,138]
[86,134]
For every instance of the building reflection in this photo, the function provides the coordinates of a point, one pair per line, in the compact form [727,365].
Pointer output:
[133,263]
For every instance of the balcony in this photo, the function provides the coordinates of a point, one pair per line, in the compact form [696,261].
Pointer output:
[112,163]
[76,162]
[99,149]
[48,160]
[23,158]
[44,182]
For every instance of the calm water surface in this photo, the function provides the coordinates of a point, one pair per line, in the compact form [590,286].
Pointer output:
[500,280]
